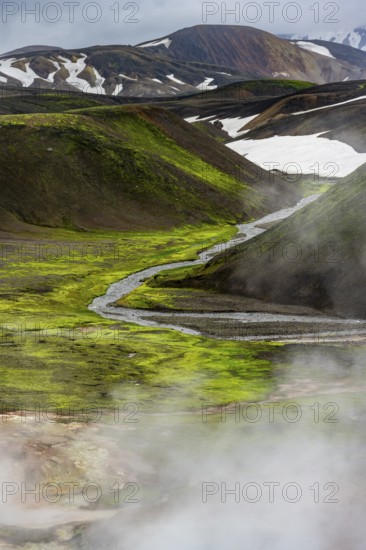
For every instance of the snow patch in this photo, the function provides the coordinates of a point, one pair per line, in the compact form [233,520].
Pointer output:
[197,118]
[118,89]
[172,77]
[156,80]
[75,69]
[206,85]
[232,126]
[315,48]
[51,76]
[26,77]
[165,41]
[99,81]
[291,154]
[127,77]
[329,106]
[276,75]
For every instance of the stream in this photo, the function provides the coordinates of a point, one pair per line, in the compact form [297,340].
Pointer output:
[148,318]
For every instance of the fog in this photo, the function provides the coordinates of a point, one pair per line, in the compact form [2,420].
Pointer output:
[292,468]
[327,450]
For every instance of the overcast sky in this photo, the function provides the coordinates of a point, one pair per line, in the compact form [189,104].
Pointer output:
[72,24]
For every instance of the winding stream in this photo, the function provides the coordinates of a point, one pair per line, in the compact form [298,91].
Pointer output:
[146,318]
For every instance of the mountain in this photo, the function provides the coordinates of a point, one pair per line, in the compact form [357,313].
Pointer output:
[318,131]
[112,70]
[355,38]
[16,100]
[250,49]
[189,61]
[264,121]
[315,258]
[241,99]
[340,52]
[323,124]
[30,49]
[123,168]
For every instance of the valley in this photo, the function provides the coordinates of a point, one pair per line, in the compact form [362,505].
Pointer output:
[182,309]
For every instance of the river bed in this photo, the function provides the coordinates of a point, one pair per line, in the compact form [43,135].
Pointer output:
[312,327]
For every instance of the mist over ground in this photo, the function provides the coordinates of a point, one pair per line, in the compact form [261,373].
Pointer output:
[284,473]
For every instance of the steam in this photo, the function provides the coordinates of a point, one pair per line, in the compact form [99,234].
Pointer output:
[259,456]
[303,457]
[321,455]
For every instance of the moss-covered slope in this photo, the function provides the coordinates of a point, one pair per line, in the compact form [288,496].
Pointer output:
[315,258]
[125,167]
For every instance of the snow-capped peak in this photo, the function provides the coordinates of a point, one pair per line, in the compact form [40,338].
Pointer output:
[355,38]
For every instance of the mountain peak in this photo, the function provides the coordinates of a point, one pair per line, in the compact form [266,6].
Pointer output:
[28,49]
[355,38]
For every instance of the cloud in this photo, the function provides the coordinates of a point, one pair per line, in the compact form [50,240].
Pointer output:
[75,24]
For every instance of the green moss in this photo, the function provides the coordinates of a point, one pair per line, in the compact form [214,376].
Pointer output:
[54,350]
[110,157]
[257,88]
[309,187]
[147,137]
[145,297]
